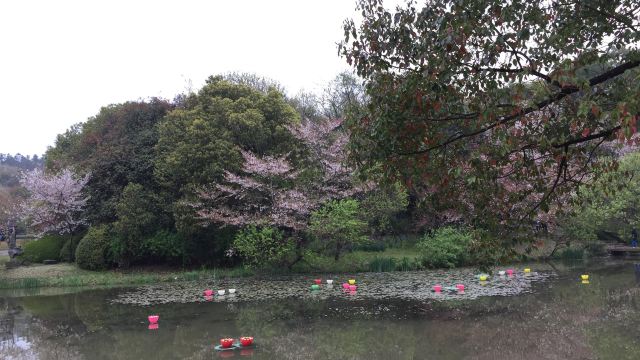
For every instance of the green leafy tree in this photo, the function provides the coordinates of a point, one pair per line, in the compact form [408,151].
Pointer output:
[494,105]
[446,247]
[116,147]
[199,142]
[263,247]
[381,206]
[338,226]
[611,204]
[137,218]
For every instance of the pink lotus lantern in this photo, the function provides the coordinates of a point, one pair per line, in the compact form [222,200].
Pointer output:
[510,272]
[318,281]
[154,319]
[460,287]
[208,292]
[437,288]
[353,287]
[345,286]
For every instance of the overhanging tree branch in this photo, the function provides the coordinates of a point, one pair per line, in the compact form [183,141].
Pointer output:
[564,92]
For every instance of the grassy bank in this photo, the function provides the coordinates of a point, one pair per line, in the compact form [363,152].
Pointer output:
[69,275]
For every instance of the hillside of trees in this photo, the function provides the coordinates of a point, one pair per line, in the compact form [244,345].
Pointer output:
[465,125]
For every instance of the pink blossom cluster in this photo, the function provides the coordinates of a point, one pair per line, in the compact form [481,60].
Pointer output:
[55,202]
[269,189]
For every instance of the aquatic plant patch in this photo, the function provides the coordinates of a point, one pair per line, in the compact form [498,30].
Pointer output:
[409,285]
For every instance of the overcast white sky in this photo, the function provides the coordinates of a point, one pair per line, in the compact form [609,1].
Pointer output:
[60,61]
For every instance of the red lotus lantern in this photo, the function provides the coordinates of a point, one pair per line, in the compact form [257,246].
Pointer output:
[246,340]
[226,342]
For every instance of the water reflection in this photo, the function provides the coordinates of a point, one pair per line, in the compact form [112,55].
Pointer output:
[559,319]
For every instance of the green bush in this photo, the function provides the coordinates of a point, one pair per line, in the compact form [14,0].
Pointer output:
[46,248]
[92,249]
[571,254]
[370,247]
[163,246]
[68,250]
[264,247]
[337,227]
[446,247]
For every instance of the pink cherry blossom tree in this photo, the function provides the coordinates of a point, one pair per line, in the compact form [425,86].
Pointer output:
[271,190]
[55,202]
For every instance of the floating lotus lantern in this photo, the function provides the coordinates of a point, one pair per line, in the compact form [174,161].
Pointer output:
[352,288]
[352,282]
[510,272]
[483,277]
[584,277]
[329,281]
[208,292]
[527,270]
[153,319]
[318,281]
[315,287]
[232,291]
[501,272]
[226,343]
[246,340]
[437,288]
[460,287]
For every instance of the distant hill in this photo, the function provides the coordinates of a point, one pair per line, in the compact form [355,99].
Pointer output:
[12,165]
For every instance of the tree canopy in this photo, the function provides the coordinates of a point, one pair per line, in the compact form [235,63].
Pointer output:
[117,147]
[200,140]
[493,104]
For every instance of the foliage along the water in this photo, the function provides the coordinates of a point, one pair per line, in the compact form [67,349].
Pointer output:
[339,226]
[610,205]
[487,105]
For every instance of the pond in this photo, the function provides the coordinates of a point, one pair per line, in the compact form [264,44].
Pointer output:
[547,314]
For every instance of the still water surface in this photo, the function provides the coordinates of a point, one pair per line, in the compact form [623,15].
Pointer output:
[549,314]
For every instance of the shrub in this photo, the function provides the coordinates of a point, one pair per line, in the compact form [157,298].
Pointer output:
[163,246]
[92,249]
[371,247]
[446,247]
[264,247]
[338,227]
[68,250]
[46,248]
[67,254]
[571,254]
